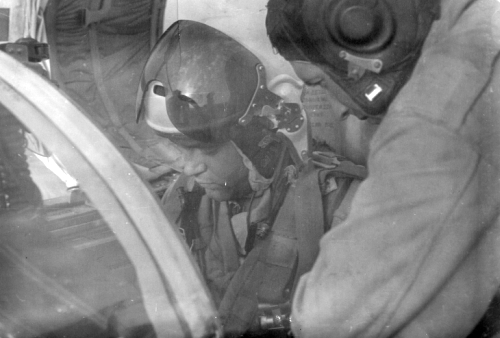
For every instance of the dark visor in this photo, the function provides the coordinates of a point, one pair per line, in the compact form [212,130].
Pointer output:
[208,80]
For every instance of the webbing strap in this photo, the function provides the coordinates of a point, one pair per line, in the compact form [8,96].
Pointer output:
[50,15]
[310,220]
[239,306]
[99,80]
[271,265]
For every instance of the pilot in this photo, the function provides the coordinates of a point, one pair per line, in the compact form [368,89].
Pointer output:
[418,255]
[250,200]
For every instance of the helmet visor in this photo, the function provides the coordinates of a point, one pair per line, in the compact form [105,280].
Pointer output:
[205,78]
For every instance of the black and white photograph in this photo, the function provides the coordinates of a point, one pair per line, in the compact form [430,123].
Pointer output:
[249,168]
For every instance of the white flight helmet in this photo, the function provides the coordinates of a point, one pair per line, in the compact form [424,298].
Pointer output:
[213,76]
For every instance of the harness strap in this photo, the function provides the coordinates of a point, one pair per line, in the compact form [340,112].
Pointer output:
[269,269]
[309,221]
[275,264]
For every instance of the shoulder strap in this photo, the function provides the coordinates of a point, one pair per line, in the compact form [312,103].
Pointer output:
[309,219]
[338,180]
[270,268]
[276,262]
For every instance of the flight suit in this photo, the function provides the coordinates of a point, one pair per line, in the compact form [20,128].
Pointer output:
[418,255]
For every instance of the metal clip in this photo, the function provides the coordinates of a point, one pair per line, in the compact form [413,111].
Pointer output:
[262,230]
[356,62]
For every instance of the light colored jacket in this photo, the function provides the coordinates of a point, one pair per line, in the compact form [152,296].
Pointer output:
[419,254]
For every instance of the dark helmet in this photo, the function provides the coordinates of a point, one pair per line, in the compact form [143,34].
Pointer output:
[201,84]
[368,47]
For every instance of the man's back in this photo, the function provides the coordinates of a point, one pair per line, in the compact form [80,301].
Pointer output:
[432,197]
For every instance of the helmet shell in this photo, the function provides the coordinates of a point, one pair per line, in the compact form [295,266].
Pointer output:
[244,21]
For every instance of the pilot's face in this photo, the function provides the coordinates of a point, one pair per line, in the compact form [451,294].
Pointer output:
[219,169]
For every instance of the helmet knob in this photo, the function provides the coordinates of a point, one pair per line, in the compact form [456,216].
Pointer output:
[362,25]
[358,24]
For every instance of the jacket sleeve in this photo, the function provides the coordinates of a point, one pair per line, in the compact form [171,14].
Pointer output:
[405,262]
